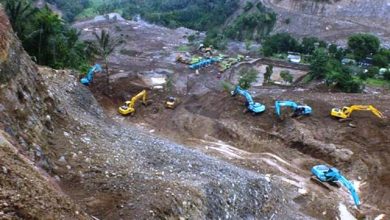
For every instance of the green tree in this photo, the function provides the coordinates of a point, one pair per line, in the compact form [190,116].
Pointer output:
[268,74]
[282,42]
[103,47]
[363,45]
[309,44]
[247,77]
[286,76]
[319,64]
[19,12]
[380,60]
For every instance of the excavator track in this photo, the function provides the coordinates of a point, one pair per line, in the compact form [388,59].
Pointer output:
[327,185]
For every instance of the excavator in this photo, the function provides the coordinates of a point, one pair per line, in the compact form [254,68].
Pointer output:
[87,80]
[325,174]
[203,63]
[298,109]
[346,111]
[207,50]
[252,106]
[128,107]
[171,102]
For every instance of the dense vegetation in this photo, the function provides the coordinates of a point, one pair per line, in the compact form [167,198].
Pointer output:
[70,9]
[45,36]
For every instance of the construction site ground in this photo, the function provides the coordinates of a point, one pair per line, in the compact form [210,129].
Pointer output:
[211,121]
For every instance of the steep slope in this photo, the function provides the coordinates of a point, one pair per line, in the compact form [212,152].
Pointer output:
[333,21]
[26,191]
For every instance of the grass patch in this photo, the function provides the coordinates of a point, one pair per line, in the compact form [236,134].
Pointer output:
[378,83]
[183,48]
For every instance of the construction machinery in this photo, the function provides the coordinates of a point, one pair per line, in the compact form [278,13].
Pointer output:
[128,107]
[207,50]
[252,106]
[171,102]
[87,80]
[298,110]
[345,112]
[325,174]
[203,63]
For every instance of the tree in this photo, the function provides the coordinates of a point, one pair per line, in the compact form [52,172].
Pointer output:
[247,77]
[282,42]
[363,45]
[380,60]
[19,11]
[309,44]
[268,73]
[319,64]
[103,48]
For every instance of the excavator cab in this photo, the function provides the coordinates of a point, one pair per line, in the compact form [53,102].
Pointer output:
[171,102]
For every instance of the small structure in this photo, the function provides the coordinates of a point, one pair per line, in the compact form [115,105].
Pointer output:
[294,57]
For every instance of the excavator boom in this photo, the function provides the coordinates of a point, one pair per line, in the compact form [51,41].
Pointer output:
[298,109]
[331,174]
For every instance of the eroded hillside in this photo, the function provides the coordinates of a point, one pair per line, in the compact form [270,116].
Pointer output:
[333,21]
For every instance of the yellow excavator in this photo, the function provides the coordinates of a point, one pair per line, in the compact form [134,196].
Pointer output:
[345,112]
[128,107]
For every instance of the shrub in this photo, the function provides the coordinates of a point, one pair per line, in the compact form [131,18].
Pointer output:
[286,76]
[247,77]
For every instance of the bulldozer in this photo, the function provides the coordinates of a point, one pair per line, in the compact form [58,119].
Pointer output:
[344,113]
[128,107]
[171,102]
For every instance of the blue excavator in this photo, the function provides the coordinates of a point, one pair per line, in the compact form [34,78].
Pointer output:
[204,62]
[297,109]
[87,80]
[326,174]
[252,106]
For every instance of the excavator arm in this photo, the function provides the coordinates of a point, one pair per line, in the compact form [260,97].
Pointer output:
[89,77]
[254,107]
[371,108]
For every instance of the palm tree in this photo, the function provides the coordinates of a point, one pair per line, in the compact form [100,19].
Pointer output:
[18,12]
[103,47]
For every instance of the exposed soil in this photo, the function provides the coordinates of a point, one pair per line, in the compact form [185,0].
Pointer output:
[210,120]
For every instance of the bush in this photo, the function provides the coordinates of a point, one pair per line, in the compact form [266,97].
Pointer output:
[380,60]
[372,71]
[386,75]
[286,76]
[247,77]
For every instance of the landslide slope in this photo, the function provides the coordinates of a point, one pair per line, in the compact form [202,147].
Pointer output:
[332,20]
